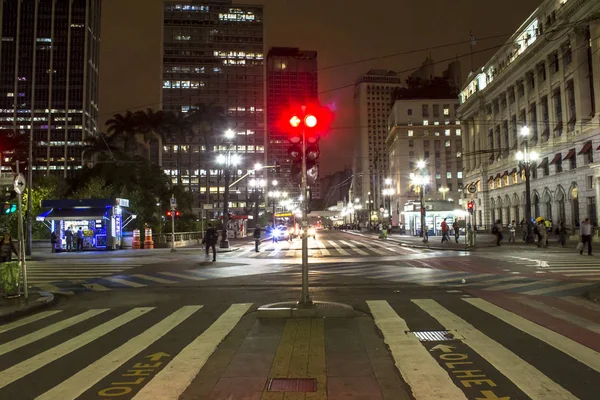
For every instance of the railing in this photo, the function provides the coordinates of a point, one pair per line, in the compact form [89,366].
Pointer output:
[179,237]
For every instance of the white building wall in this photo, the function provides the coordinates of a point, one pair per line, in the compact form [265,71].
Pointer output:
[515,83]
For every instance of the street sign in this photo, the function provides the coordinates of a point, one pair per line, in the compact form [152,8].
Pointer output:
[19,184]
[7,180]
[472,189]
[173,203]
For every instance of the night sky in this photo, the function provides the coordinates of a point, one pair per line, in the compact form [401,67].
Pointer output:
[341,31]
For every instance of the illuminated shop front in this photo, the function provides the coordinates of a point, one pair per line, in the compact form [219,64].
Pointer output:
[101,221]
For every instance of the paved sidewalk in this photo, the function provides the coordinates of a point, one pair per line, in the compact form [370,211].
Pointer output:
[300,358]
[18,307]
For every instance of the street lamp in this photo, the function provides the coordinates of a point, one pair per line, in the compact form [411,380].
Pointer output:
[388,192]
[227,160]
[421,181]
[526,159]
[443,191]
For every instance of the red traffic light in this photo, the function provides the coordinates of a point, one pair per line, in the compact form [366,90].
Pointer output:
[169,213]
[470,205]
[295,121]
[310,121]
[177,213]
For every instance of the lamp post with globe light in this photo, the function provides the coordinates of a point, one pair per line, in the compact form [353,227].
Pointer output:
[526,160]
[227,160]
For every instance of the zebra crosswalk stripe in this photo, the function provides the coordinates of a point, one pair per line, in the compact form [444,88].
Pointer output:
[32,364]
[28,320]
[324,250]
[49,330]
[339,248]
[93,373]
[183,276]
[568,346]
[178,374]
[374,249]
[124,282]
[530,380]
[153,278]
[414,362]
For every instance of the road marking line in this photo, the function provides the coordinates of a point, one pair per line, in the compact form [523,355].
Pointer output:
[559,313]
[96,287]
[531,381]
[426,378]
[353,247]
[153,278]
[183,276]
[568,346]
[584,274]
[49,330]
[494,281]
[372,248]
[172,381]
[519,285]
[559,288]
[38,361]
[46,287]
[124,282]
[339,249]
[324,250]
[77,384]
[27,320]
[466,277]
[276,250]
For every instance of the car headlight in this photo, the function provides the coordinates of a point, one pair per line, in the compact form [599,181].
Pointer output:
[276,232]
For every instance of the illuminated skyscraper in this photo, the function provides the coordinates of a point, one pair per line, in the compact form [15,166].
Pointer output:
[213,55]
[49,60]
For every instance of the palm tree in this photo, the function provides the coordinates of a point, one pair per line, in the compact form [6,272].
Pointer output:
[16,145]
[151,125]
[99,146]
[124,128]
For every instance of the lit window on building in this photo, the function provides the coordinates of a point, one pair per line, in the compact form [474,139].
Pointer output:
[447,144]
[448,175]
[447,132]
[410,133]
[459,175]
[458,132]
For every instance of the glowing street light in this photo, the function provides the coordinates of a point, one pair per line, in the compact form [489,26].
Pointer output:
[229,134]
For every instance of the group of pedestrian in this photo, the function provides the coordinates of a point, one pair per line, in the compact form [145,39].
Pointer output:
[73,239]
[446,231]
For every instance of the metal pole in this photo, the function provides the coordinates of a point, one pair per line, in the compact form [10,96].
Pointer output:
[527,165]
[22,241]
[305,296]
[422,213]
[227,175]
[173,210]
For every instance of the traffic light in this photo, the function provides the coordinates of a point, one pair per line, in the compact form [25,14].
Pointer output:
[173,213]
[312,121]
[470,207]
[9,209]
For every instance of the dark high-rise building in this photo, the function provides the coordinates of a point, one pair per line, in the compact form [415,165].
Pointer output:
[213,55]
[291,79]
[49,60]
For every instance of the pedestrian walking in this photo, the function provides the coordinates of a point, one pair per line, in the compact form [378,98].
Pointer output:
[7,248]
[512,229]
[211,241]
[445,230]
[456,228]
[562,233]
[497,231]
[53,241]
[523,225]
[542,234]
[585,230]
[256,237]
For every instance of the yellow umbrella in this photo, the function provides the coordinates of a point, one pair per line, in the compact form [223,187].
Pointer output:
[538,219]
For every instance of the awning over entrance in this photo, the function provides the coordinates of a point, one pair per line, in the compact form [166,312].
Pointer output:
[73,214]
[570,154]
[555,159]
[587,147]
[514,171]
[544,163]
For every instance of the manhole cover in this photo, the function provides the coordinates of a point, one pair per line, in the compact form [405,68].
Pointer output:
[292,385]
[434,336]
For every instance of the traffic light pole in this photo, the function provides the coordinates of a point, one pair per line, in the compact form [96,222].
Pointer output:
[173,210]
[305,300]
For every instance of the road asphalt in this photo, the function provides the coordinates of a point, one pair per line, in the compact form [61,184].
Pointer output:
[175,326]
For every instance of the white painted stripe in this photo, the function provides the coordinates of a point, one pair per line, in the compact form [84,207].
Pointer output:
[152,278]
[28,320]
[568,346]
[49,330]
[171,382]
[519,285]
[125,282]
[531,381]
[374,249]
[353,247]
[584,274]
[276,250]
[324,250]
[36,362]
[494,281]
[71,274]
[559,288]
[455,278]
[339,249]
[183,276]
[426,378]
[558,313]
[77,384]
[96,287]
[46,287]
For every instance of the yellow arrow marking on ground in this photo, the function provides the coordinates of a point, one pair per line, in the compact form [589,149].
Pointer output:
[489,395]
[157,356]
[444,348]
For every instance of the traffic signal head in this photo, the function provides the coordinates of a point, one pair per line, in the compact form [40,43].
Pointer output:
[169,214]
[310,121]
[177,214]
[10,209]
[470,207]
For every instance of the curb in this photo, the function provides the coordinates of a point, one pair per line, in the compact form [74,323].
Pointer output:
[46,300]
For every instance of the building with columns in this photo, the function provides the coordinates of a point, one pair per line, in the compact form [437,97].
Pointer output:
[546,77]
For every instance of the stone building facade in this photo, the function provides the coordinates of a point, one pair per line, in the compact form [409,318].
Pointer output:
[547,78]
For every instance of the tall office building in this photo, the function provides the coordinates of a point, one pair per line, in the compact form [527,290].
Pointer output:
[372,101]
[213,55]
[49,60]
[291,79]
